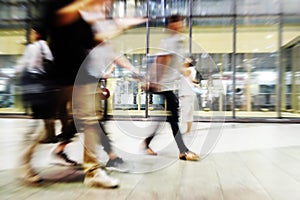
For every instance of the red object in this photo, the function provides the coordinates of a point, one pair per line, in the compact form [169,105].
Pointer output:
[104,93]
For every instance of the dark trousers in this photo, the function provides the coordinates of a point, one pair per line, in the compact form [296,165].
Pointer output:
[173,107]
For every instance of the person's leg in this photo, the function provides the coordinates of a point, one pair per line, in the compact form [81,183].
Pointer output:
[178,137]
[42,108]
[173,106]
[27,172]
[147,142]
[189,126]
[114,163]
[68,128]
[86,107]
[184,111]
[189,101]
[106,143]
[63,115]
[60,147]
[90,157]
[58,156]
[49,136]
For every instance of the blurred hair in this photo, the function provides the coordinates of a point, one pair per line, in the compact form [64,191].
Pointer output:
[41,30]
[191,61]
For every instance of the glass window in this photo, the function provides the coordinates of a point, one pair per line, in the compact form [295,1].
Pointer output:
[212,47]
[263,28]
[256,65]
[256,7]
[290,104]
[12,40]
[12,10]
[288,7]
[215,7]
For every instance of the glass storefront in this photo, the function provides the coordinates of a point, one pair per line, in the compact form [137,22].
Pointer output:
[247,55]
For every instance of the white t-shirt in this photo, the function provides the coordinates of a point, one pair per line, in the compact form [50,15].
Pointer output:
[102,56]
[186,86]
[193,73]
[100,59]
[32,57]
[176,46]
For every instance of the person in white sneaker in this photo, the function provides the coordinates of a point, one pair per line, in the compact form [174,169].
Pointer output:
[71,38]
[95,15]
[98,63]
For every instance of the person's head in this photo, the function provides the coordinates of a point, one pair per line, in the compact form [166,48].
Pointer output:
[190,62]
[175,23]
[37,33]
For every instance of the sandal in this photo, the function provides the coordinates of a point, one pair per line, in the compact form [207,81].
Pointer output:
[188,155]
[150,151]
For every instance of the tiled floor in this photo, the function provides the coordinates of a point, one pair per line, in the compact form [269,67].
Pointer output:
[239,161]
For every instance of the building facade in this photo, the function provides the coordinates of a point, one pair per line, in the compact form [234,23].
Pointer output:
[247,53]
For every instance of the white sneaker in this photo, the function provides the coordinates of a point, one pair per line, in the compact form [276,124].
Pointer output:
[101,179]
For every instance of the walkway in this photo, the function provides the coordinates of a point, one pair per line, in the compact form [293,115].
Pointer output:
[240,161]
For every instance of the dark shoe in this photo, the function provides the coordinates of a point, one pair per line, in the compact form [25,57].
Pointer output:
[65,136]
[118,165]
[62,159]
[48,140]
[189,156]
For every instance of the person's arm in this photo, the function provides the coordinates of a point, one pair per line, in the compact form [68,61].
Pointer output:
[109,72]
[46,50]
[100,37]
[120,25]
[70,13]
[124,62]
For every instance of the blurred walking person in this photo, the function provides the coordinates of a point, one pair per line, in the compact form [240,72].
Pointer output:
[39,95]
[71,39]
[186,93]
[167,66]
